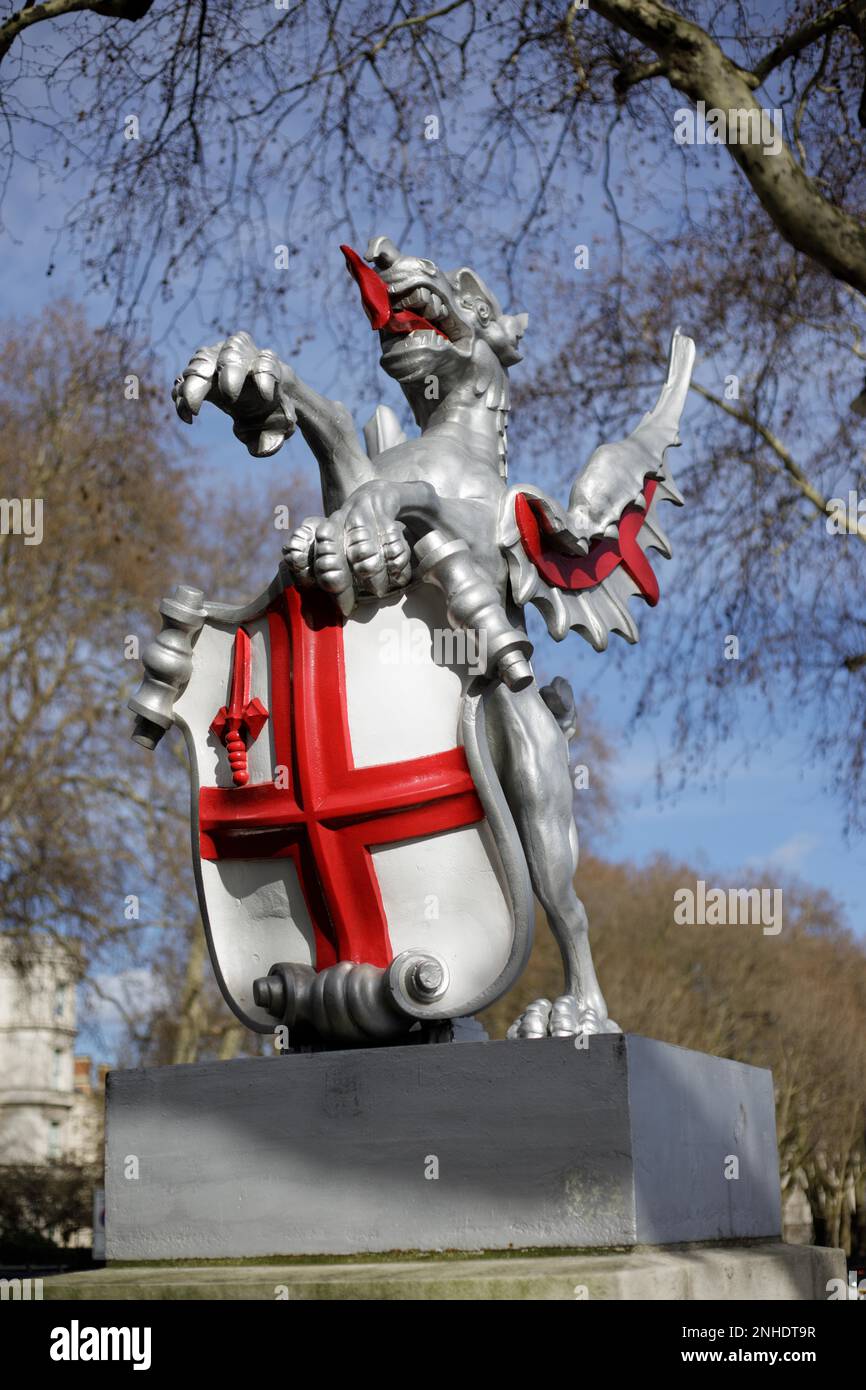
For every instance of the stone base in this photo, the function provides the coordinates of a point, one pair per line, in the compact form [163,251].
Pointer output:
[763,1271]
[475,1146]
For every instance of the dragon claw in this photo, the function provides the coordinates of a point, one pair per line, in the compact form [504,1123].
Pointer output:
[566,1017]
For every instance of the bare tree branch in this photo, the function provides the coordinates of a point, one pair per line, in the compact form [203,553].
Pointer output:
[696,65]
[32,14]
[792,468]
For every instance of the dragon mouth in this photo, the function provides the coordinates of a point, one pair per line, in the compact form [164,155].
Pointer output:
[408,306]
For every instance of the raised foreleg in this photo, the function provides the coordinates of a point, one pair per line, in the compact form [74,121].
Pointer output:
[266,400]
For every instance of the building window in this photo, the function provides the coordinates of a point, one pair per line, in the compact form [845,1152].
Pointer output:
[54,1139]
[57,1067]
[60,1000]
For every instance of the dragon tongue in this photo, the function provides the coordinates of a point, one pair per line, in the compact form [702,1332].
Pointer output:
[406,322]
[376,301]
[374,291]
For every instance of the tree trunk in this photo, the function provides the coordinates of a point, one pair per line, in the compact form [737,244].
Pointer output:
[188,1036]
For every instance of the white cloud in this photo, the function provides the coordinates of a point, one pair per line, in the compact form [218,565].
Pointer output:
[790,854]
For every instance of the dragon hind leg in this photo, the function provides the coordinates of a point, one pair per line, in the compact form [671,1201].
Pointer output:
[531,753]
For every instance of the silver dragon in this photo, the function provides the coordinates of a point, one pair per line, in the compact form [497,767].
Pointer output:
[447,343]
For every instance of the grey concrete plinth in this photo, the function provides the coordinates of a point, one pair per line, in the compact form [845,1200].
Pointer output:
[763,1271]
[473,1146]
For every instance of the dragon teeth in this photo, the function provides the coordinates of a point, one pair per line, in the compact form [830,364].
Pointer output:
[416,299]
[430,306]
[419,298]
[422,337]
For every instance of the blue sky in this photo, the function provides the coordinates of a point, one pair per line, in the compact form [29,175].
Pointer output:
[764,813]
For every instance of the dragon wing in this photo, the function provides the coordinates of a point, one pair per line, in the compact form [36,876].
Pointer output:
[581,566]
[382,431]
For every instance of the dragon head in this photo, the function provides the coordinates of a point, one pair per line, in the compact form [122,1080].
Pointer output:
[445,325]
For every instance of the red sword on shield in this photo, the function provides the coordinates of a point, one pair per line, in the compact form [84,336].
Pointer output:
[240,721]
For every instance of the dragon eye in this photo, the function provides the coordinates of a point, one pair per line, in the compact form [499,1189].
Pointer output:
[482,308]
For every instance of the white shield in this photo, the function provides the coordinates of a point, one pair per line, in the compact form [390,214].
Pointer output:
[344,803]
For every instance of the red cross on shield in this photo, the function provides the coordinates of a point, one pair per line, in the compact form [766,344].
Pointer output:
[321,811]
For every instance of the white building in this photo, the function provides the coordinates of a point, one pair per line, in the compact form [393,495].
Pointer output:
[48,1107]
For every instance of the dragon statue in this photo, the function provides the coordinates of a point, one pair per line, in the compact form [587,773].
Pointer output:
[424,531]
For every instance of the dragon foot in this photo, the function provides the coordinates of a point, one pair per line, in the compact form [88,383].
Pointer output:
[566,1017]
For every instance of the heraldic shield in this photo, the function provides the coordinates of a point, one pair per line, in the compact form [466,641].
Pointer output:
[358,869]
